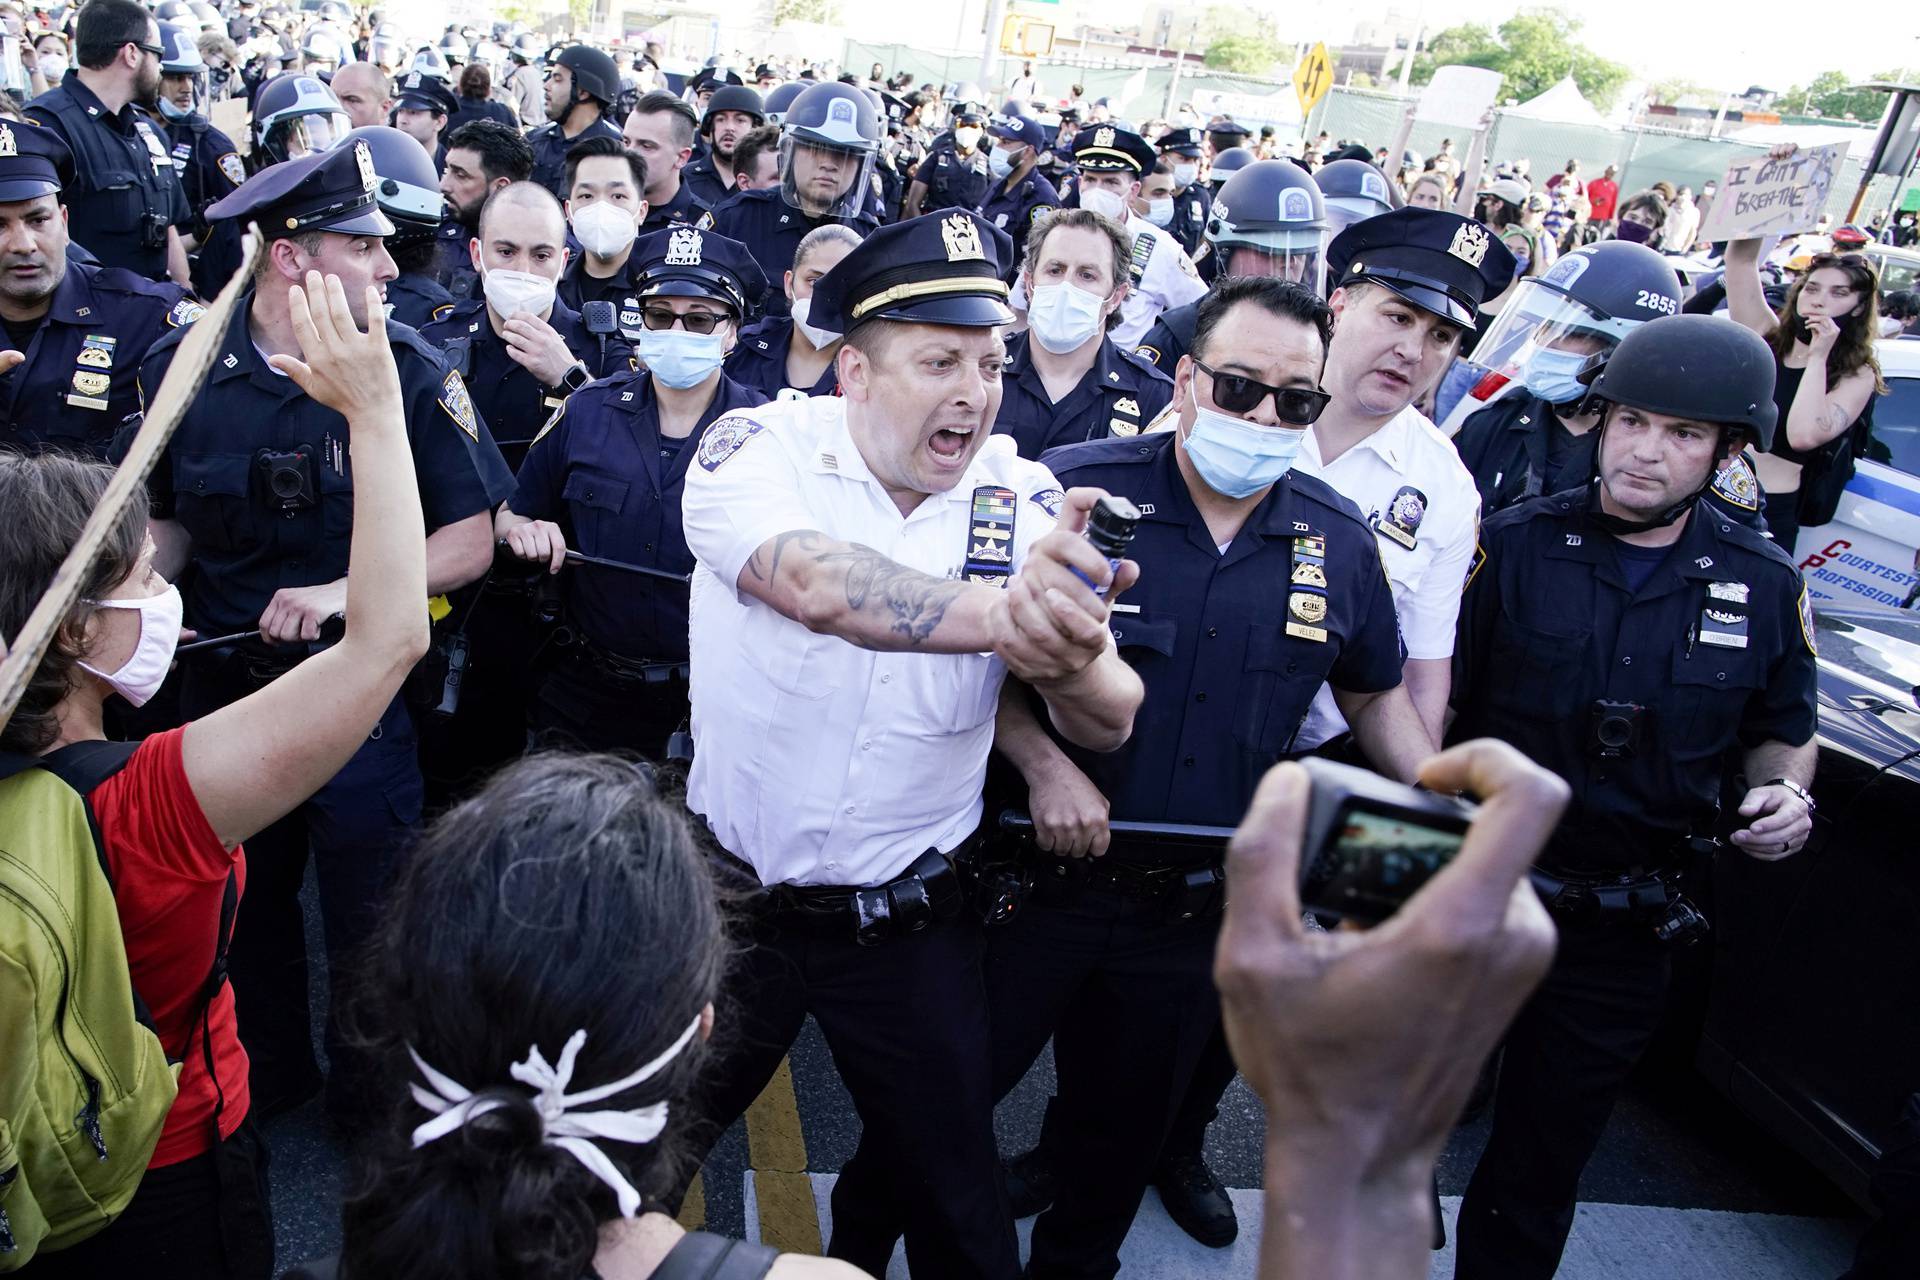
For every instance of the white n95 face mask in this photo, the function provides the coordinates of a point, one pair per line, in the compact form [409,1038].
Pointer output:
[512,292]
[802,309]
[604,229]
[1160,212]
[1110,203]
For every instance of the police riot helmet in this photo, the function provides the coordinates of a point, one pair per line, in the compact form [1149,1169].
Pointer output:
[780,98]
[593,72]
[1585,304]
[454,48]
[335,11]
[428,62]
[324,43]
[406,187]
[172,11]
[1228,163]
[526,46]
[827,153]
[1269,220]
[1703,368]
[386,48]
[182,56]
[1354,191]
[296,115]
[736,97]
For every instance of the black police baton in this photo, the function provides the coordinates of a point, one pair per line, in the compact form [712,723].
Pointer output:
[601,562]
[331,630]
[1016,823]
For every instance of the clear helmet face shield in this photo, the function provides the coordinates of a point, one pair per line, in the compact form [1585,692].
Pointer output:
[1299,256]
[1344,211]
[1539,318]
[824,181]
[306,134]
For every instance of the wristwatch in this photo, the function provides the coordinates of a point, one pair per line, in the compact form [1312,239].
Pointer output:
[1797,789]
[573,379]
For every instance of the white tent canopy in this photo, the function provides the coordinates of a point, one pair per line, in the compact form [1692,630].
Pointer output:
[1561,104]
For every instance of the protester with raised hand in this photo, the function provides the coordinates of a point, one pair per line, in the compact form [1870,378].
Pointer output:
[172,819]
[1363,1045]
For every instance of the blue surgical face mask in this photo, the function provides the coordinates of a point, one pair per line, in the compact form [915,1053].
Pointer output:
[999,163]
[679,359]
[172,112]
[1554,375]
[1238,458]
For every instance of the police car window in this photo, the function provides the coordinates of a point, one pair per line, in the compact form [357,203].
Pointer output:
[1896,426]
[1897,274]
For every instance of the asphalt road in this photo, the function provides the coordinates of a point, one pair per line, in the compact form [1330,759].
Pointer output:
[1681,1184]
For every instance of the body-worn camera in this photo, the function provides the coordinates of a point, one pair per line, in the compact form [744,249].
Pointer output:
[1681,924]
[1616,730]
[286,479]
[1371,843]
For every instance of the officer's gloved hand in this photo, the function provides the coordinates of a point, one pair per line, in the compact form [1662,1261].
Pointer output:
[1364,1044]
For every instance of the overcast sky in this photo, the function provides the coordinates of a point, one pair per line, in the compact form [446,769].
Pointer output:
[1714,42]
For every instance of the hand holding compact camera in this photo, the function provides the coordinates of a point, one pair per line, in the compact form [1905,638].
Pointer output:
[1364,1043]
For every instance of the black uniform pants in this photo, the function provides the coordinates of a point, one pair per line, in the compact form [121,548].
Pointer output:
[489,726]
[577,706]
[354,829]
[906,1022]
[1566,1058]
[1127,996]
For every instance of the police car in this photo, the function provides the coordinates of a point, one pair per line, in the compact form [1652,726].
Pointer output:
[1869,555]
[1811,1028]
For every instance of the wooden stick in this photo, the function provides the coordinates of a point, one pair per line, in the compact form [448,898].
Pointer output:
[177,391]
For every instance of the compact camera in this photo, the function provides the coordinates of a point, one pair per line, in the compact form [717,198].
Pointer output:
[1371,843]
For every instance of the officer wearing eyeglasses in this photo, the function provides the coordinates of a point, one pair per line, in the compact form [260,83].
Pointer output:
[605,478]
[127,199]
[1258,584]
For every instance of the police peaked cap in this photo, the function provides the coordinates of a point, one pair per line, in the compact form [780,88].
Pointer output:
[326,191]
[34,161]
[1439,261]
[940,268]
[687,262]
[1112,148]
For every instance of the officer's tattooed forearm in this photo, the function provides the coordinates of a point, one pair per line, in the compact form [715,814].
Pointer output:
[910,603]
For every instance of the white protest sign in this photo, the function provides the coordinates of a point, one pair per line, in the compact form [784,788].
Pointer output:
[1458,96]
[1246,108]
[1763,196]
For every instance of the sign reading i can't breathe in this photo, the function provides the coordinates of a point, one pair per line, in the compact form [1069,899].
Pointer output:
[1761,195]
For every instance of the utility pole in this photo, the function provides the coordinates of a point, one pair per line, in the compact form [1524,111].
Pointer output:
[990,51]
[1179,65]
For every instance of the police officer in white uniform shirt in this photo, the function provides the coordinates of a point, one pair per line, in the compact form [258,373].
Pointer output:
[870,566]
[1406,287]
[1160,274]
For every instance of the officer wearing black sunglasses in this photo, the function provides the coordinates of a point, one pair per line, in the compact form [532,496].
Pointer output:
[1258,584]
[605,477]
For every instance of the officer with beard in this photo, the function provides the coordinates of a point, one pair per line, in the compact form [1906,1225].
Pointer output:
[732,112]
[482,157]
[126,198]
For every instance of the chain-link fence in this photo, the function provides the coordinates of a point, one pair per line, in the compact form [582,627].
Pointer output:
[1644,156]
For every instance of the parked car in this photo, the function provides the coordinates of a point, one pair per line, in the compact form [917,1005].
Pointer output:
[1812,1024]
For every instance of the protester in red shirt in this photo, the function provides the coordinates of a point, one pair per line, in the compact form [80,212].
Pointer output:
[171,821]
[1603,193]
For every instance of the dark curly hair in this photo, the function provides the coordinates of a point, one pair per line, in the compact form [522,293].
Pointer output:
[47,498]
[566,894]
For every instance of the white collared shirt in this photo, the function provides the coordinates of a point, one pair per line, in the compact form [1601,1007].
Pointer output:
[816,761]
[1408,453]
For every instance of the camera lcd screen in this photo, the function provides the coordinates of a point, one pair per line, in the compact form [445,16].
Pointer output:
[1379,860]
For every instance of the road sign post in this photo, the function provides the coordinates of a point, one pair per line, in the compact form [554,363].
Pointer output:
[1312,78]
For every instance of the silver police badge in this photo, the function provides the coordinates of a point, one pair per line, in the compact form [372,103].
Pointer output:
[1470,243]
[963,239]
[363,156]
[683,247]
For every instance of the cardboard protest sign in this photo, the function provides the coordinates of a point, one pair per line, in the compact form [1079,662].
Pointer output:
[1763,196]
[1458,96]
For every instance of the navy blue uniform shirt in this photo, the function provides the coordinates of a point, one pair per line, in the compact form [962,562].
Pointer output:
[1170,338]
[550,147]
[1190,210]
[209,479]
[80,379]
[453,259]
[125,193]
[598,472]
[1517,450]
[954,181]
[772,230]
[684,209]
[1226,684]
[702,177]
[622,289]
[1549,626]
[1118,396]
[1014,211]
[414,298]
[510,399]
[208,165]
[759,360]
